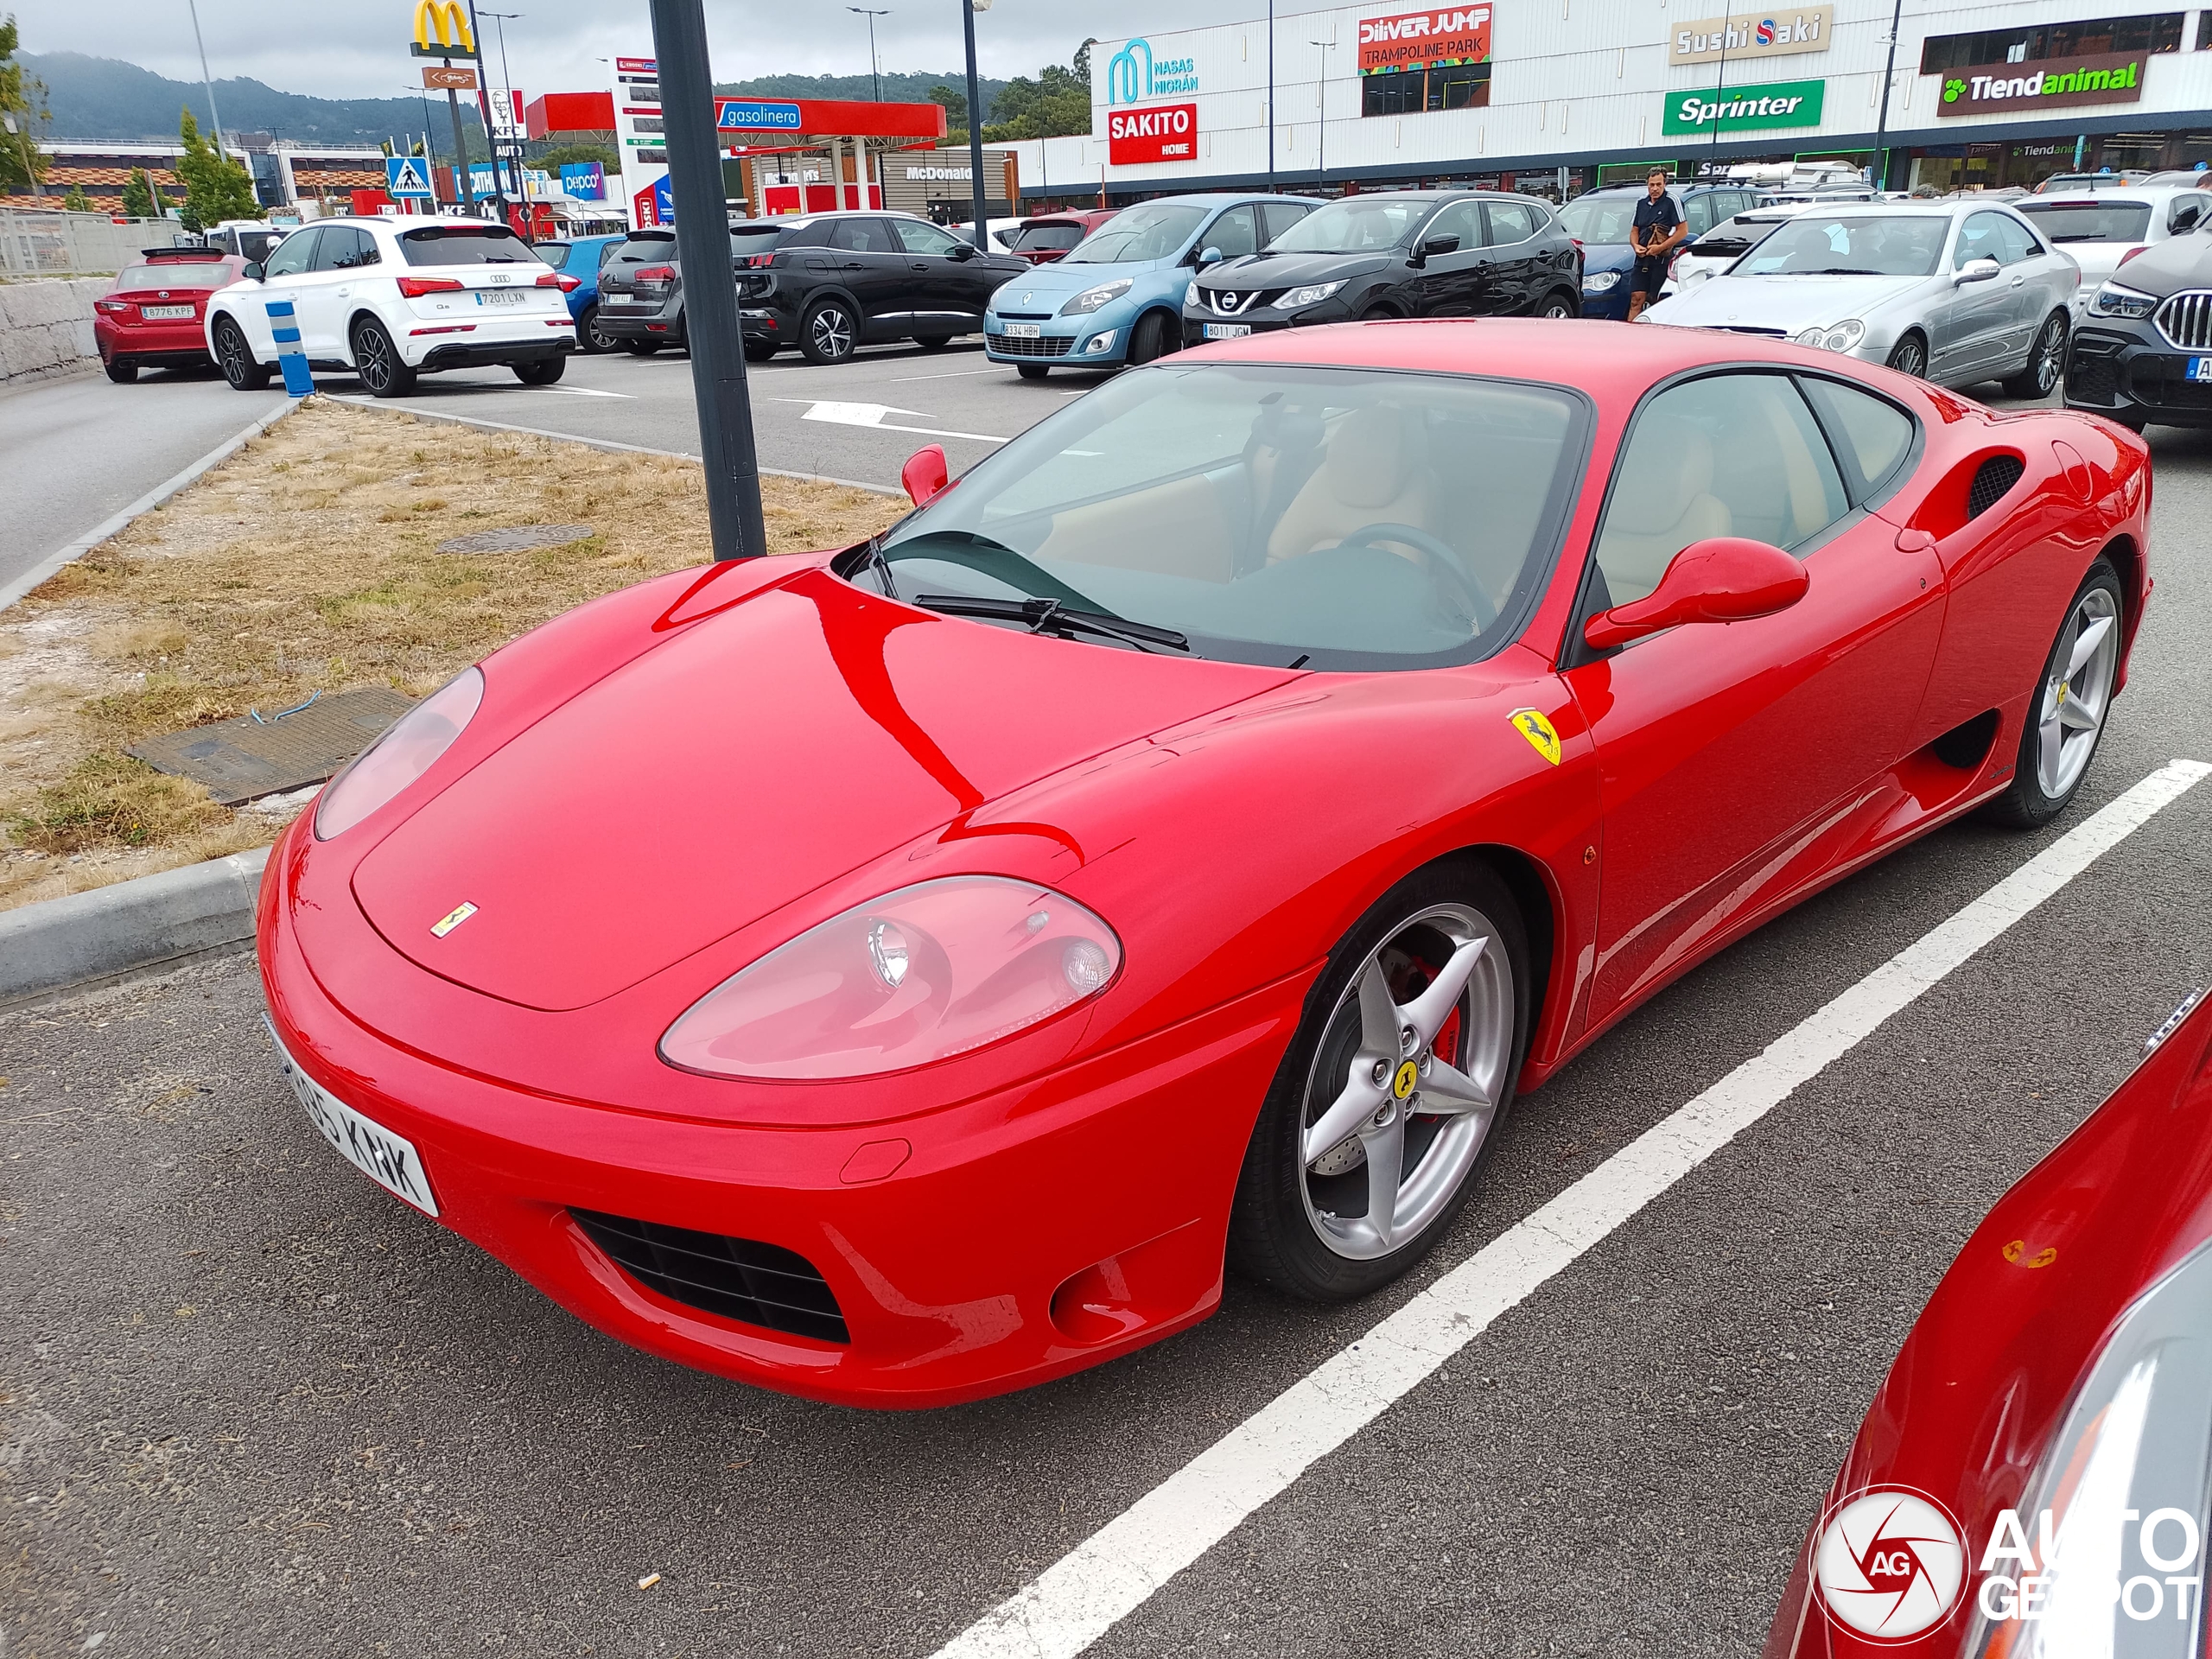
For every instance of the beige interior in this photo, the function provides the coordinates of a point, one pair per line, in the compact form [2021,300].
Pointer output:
[1662,501]
[1375,469]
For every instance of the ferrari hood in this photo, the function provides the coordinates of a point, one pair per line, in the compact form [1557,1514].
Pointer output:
[732,769]
[1784,304]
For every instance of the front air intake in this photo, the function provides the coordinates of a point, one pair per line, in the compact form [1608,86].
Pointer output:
[736,1279]
[1995,476]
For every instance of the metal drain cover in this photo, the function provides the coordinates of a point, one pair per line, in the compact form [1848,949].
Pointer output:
[242,759]
[518,539]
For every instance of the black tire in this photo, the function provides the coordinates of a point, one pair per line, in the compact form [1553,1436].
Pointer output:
[1910,355]
[1272,1237]
[1032,370]
[122,374]
[759,351]
[2046,361]
[2026,804]
[543,372]
[376,360]
[590,336]
[1377,313]
[829,333]
[1560,303]
[1150,338]
[641,348]
[933,342]
[235,358]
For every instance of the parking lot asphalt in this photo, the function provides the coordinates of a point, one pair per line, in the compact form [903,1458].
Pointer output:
[250,1404]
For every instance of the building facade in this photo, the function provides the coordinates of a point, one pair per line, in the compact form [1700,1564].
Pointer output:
[1529,90]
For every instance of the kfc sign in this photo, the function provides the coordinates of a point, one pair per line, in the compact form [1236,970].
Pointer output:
[1169,133]
[1422,39]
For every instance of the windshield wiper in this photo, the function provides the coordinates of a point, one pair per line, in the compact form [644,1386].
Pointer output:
[1831,270]
[1049,613]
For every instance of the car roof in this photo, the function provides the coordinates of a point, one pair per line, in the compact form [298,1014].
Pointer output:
[2144,194]
[1209,198]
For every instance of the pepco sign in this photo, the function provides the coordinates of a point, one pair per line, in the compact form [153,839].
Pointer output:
[1168,133]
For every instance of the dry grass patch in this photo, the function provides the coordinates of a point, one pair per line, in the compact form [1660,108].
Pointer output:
[307,562]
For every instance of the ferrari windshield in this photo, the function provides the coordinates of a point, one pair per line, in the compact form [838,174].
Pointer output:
[1849,244]
[1262,513]
[1154,230]
[1354,224]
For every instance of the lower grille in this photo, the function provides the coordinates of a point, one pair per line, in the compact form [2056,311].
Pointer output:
[1046,346]
[2164,381]
[731,1278]
[2092,380]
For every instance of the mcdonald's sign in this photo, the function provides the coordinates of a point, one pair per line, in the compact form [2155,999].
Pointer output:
[448,21]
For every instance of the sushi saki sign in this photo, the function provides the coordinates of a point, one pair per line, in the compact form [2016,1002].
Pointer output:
[1166,133]
[1752,35]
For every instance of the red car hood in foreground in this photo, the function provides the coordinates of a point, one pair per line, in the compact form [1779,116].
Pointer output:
[660,808]
[1980,1390]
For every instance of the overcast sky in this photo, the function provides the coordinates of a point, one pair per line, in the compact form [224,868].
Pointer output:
[358,49]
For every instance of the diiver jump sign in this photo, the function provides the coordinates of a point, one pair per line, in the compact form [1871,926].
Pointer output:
[1422,39]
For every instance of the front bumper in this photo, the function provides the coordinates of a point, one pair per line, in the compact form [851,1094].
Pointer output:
[1261,319]
[1073,342]
[2132,373]
[1608,303]
[1035,1230]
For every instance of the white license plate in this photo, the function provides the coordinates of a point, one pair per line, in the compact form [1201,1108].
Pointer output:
[389,1159]
[165,313]
[502,295]
[1227,330]
[1025,331]
[2200,368]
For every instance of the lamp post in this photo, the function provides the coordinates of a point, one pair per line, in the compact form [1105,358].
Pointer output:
[874,74]
[1882,126]
[1321,107]
[215,119]
[968,10]
[1271,94]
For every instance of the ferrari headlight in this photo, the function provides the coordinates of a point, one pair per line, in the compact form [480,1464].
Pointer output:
[1601,282]
[1091,298]
[920,975]
[403,754]
[1841,337]
[2113,301]
[1312,294]
[1191,292]
[2104,1555]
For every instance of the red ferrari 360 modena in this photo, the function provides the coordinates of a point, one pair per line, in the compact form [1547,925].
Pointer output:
[901,974]
[2034,1480]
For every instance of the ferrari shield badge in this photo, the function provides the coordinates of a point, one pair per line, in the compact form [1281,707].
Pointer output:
[454,918]
[1532,724]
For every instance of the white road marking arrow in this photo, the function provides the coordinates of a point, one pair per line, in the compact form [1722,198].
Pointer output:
[871,414]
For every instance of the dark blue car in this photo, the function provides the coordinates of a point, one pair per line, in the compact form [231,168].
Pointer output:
[1599,220]
[581,259]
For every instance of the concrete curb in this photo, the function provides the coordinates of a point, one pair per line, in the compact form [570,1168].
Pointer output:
[117,929]
[45,569]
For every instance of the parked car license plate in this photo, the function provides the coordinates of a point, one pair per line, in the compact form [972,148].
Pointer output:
[2200,368]
[165,313]
[1025,331]
[389,1159]
[1227,330]
[501,295]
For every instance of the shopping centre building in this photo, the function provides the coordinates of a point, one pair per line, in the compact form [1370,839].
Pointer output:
[1532,93]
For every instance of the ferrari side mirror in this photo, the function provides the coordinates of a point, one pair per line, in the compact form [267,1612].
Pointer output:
[925,474]
[1723,579]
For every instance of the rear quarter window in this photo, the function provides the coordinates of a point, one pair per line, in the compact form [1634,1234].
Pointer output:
[492,245]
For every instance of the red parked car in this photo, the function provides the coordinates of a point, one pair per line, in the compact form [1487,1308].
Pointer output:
[1049,236]
[153,316]
[899,975]
[2033,1477]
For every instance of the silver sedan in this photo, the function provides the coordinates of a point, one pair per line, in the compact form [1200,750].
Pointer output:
[1953,291]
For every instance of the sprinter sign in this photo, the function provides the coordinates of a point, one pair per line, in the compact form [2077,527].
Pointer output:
[1168,133]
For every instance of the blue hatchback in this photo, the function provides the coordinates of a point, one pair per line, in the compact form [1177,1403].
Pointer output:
[1599,221]
[1117,297]
[581,259]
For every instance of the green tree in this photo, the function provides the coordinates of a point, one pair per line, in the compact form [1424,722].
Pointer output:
[77,201]
[22,103]
[553,156]
[956,105]
[1054,105]
[215,188]
[138,196]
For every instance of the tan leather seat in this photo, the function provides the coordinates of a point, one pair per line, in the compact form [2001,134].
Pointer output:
[1375,470]
[1662,502]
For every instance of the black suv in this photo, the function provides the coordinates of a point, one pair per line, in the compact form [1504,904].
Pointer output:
[1400,253]
[2142,355]
[641,291]
[830,282]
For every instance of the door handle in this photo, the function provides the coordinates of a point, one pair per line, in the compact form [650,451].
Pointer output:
[2019,281]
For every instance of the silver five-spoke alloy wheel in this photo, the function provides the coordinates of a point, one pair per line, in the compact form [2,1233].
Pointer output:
[831,331]
[1406,1081]
[2074,698]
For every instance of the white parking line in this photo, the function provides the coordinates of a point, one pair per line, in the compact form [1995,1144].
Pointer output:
[1118,1568]
[952,374]
[580,392]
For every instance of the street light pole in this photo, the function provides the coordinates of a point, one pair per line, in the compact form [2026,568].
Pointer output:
[1321,105]
[968,10]
[484,108]
[711,322]
[1882,126]
[875,75]
[507,86]
[1271,94]
[214,117]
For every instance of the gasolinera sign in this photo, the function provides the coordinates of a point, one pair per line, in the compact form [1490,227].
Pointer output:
[1744,109]
[2106,78]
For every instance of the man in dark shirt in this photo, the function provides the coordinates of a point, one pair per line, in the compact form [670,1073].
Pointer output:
[1658,231]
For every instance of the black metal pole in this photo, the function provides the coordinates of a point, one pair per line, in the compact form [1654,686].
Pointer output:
[1882,126]
[484,109]
[710,319]
[1271,94]
[463,190]
[975,129]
